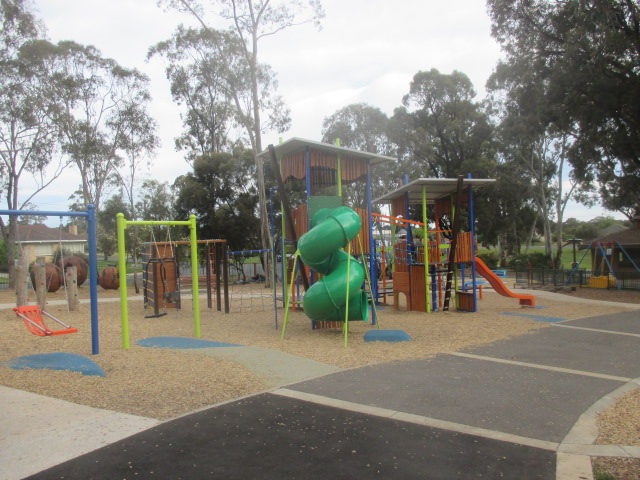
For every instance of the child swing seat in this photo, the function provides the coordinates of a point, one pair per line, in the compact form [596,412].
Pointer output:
[32,317]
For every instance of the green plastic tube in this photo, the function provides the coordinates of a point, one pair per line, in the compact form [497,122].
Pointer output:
[320,250]
[334,228]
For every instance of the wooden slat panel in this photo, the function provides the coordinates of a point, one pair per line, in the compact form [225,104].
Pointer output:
[464,252]
[418,300]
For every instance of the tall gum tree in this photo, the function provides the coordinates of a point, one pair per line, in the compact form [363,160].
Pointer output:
[28,137]
[587,54]
[252,21]
[96,93]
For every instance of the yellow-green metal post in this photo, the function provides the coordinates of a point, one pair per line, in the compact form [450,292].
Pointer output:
[425,247]
[194,276]
[339,170]
[455,265]
[122,273]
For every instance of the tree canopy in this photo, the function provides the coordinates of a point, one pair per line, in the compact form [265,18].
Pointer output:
[585,57]
[221,193]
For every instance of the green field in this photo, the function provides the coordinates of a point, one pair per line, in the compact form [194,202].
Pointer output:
[567,255]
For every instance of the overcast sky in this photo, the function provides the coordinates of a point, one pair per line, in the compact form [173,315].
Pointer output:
[367,51]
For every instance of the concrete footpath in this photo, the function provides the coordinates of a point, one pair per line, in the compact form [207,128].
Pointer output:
[522,408]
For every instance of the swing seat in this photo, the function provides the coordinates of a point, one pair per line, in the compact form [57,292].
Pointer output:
[32,317]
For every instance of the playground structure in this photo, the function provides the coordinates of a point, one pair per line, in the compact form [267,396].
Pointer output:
[122,225]
[430,270]
[326,173]
[337,298]
[90,216]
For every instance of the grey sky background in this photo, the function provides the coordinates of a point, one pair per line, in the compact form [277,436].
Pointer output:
[367,51]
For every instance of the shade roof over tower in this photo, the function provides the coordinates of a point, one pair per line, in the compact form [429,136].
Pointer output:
[295,144]
[435,188]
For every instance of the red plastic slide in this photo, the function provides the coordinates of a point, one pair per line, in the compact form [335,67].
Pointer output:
[500,287]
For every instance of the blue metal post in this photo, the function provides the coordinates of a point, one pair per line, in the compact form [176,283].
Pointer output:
[273,253]
[307,166]
[373,267]
[472,226]
[93,278]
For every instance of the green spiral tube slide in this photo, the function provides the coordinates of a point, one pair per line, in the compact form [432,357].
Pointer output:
[320,250]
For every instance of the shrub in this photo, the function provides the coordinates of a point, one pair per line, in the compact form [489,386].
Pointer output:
[491,259]
[536,259]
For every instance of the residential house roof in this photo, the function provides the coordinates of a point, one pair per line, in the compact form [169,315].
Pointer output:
[40,233]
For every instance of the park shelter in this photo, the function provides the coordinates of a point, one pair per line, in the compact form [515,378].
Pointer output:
[620,249]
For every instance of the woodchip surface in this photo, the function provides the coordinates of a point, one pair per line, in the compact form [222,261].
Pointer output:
[162,384]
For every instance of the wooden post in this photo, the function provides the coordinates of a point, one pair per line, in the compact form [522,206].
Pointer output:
[22,277]
[71,278]
[40,272]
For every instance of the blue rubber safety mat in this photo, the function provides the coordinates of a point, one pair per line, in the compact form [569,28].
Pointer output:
[182,343]
[538,318]
[387,336]
[58,361]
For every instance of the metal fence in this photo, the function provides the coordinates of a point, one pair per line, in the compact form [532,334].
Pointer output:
[580,277]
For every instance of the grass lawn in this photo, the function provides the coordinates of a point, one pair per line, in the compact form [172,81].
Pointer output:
[567,255]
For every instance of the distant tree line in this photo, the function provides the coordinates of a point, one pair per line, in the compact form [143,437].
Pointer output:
[560,121]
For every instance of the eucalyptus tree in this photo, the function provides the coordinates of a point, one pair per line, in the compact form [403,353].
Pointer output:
[440,130]
[103,110]
[586,55]
[222,195]
[251,21]
[363,127]
[199,65]
[28,136]
[360,126]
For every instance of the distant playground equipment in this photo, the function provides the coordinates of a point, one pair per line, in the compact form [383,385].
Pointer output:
[498,285]
[108,278]
[35,321]
[122,225]
[606,257]
[163,280]
[429,278]
[247,280]
[53,278]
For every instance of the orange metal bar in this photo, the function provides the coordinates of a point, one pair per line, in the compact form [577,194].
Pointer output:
[398,220]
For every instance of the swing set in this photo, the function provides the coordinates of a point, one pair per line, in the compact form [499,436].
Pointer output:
[605,253]
[122,225]
[32,315]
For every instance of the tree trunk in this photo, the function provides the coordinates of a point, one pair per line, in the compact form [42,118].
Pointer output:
[11,250]
[531,234]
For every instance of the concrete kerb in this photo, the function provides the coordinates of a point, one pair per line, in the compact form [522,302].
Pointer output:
[570,299]
[578,446]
